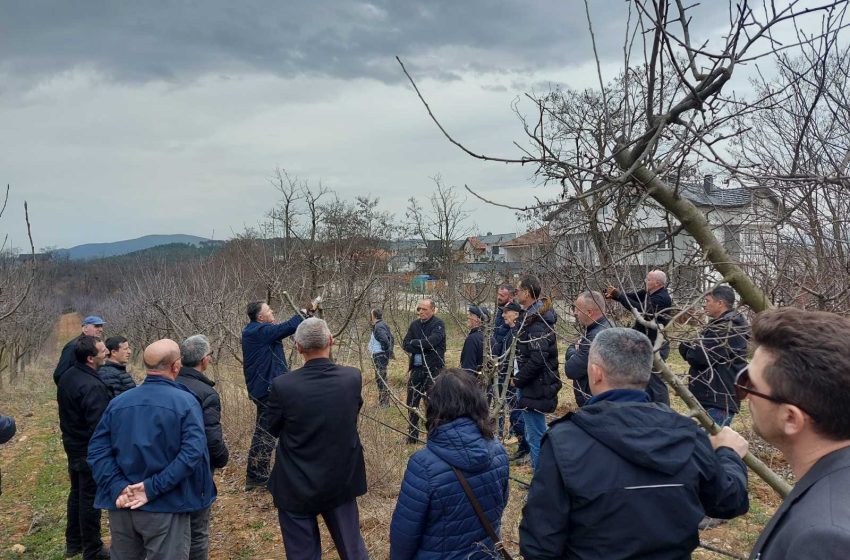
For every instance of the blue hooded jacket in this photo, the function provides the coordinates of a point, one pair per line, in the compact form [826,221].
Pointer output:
[262,353]
[433,518]
[153,434]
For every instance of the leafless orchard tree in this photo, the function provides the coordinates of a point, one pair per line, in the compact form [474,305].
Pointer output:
[670,117]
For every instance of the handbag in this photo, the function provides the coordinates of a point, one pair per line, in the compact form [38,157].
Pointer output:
[497,542]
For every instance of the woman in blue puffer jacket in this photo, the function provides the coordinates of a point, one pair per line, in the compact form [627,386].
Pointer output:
[433,517]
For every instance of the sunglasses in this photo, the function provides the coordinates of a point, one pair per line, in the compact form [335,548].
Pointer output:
[744,388]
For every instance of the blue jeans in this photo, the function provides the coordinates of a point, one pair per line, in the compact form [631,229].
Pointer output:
[535,427]
[721,416]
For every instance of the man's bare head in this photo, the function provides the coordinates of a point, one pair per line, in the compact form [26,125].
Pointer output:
[655,280]
[163,357]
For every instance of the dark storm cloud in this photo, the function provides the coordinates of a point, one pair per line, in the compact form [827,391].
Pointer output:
[180,40]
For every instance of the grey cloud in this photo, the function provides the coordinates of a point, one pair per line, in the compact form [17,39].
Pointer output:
[180,40]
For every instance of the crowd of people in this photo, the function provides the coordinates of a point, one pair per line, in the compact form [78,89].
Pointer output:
[623,476]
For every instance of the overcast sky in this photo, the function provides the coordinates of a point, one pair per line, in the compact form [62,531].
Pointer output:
[121,119]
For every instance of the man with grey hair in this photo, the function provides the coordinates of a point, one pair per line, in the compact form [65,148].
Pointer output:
[589,310]
[651,474]
[195,357]
[319,467]
[652,304]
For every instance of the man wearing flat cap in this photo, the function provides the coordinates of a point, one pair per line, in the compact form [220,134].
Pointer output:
[92,326]
[472,354]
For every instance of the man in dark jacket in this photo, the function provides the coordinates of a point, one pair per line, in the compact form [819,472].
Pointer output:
[504,295]
[590,313]
[7,431]
[195,356]
[425,341]
[381,348]
[505,388]
[319,467]
[82,397]
[798,386]
[625,477]
[262,361]
[472,353]
[114,370]
[149,457]
[537,375]
[718,356]
[92,326]
[653,304]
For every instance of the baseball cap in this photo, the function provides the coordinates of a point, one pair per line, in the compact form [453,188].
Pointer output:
[93,320]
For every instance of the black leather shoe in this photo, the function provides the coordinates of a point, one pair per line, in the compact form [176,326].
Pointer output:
[103,554]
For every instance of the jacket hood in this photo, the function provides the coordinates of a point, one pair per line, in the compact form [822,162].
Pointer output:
[460,444]
[648,435]
[542,308]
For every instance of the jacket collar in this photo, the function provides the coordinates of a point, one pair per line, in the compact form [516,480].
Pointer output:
[155,379]
[85,367]
[825,466]
[191,372]
[317,362]
[116,365]
[620,395]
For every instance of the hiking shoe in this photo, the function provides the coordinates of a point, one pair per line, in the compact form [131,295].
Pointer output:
[519,455]
[254,484]
[710,523]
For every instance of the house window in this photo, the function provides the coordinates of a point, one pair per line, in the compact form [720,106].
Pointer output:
[579,245]
[494,250]
[662,241]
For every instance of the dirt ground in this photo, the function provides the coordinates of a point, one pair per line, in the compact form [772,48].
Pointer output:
[244,525]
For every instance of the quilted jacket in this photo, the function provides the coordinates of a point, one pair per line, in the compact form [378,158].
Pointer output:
[433,517]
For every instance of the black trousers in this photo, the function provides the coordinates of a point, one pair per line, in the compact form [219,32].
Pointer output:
[418,383]
[262,444]
[657,388]
[82,531]
[381,362]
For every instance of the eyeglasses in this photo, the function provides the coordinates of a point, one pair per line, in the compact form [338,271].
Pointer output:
[744,388]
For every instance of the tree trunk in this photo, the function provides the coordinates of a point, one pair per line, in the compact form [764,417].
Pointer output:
[695,223]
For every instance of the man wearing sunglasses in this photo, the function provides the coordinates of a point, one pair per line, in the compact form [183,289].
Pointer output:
[798,385]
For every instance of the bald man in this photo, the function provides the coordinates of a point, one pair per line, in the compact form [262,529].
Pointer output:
[150,460]
[653,303]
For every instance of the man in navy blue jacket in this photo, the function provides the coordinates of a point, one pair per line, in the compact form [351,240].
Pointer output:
[262,361]
[149,453]
[661,473]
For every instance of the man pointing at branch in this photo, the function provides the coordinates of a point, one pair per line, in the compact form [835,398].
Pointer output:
[652,304]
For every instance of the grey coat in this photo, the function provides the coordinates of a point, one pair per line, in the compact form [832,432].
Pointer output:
[814,520]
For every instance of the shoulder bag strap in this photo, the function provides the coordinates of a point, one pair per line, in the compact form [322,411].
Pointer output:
[500,547]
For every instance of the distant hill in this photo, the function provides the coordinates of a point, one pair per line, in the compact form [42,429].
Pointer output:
[116,248]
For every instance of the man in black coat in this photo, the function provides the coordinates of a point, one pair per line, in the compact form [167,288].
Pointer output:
[590,313]
[92,326]
[425,342]
[381,344]
[472,353]
[319,467]
[798,387]
[195,355]
[82,397]
[653,304]
[537,378]
[625,477]
[114,370]
[718,356]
